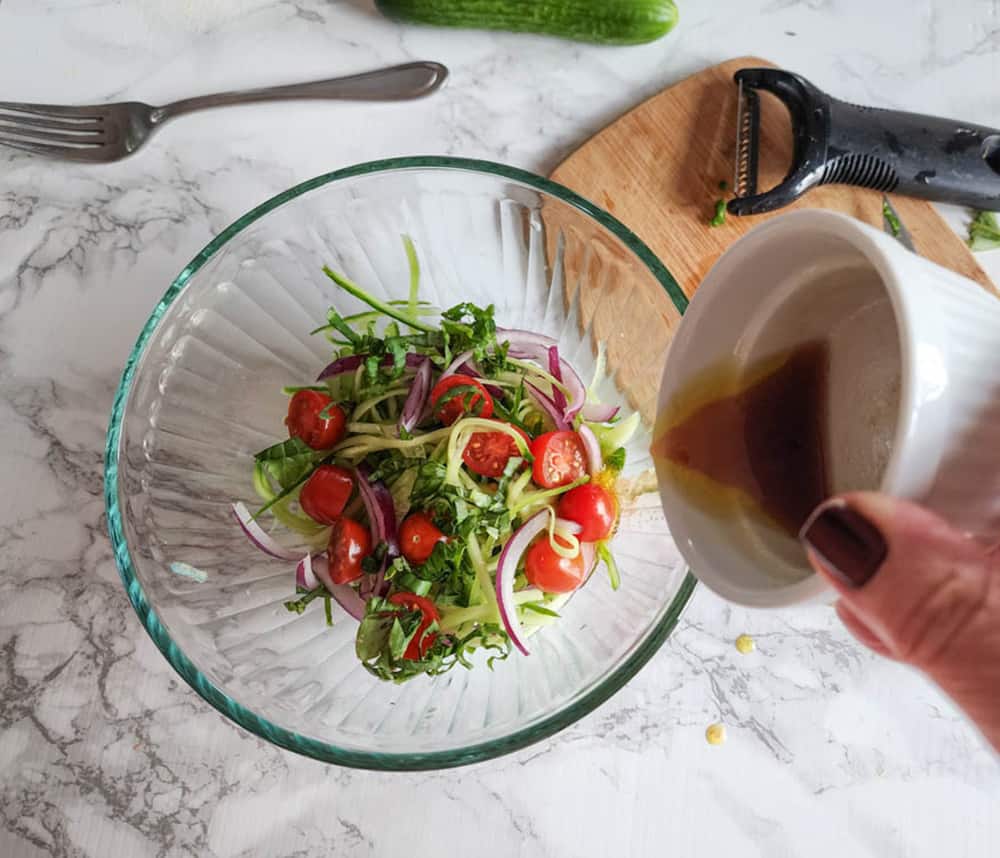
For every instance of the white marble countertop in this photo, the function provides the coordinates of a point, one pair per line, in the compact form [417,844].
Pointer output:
[105,752]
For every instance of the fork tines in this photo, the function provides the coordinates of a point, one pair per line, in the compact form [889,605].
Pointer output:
[50,129]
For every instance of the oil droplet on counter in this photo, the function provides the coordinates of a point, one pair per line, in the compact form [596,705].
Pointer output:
[715,734]
[745,644]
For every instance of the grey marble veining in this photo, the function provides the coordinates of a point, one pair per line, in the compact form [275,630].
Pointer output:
[105,752]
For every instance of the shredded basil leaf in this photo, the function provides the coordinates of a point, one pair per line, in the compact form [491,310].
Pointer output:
[616,461]
[984,232]
[719,218]
[299,605]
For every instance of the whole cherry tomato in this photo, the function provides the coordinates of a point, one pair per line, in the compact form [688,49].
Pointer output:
[549,571]
[326,493]
[314,418]
[350,543]
[592,507]
[417,537]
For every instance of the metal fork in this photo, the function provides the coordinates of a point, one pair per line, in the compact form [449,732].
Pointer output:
[108,132]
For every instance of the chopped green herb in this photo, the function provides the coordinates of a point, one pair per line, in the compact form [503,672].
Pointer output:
[891,219]
[616,461]
[288,462]
[299,605]
[984,232]
[719,218]
[290,391]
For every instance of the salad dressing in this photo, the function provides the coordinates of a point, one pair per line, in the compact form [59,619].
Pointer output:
[760,434]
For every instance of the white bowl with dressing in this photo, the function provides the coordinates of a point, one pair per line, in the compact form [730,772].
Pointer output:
[912,402]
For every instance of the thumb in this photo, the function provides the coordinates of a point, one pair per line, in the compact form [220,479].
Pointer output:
[922,591]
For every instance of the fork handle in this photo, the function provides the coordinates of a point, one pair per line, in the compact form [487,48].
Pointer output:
[411,80]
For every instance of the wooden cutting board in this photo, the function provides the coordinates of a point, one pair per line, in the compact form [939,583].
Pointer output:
[658,169]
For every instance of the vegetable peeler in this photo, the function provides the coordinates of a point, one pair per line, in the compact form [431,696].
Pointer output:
[839,143]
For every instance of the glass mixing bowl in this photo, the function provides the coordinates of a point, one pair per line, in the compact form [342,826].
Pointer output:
[202,391]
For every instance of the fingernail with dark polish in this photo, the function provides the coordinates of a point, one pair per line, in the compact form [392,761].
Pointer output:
[848,543]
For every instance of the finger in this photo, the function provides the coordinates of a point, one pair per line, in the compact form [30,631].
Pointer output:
[927,592]
[856,626]
[916,583]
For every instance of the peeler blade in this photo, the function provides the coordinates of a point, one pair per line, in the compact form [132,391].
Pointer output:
[808,112]
[747,134]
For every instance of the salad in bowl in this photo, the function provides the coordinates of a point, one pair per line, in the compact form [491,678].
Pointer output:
[457,539]
[452,482]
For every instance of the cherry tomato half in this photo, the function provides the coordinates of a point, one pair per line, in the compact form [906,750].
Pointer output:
[304,421]
[590,506]
[417,537]
[350,543]
[487,453]
[421,642]
[559,459]
[552,572]
[326,493]
[473,399]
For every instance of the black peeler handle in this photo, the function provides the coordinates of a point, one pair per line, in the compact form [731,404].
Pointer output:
[886,150]
[937,159]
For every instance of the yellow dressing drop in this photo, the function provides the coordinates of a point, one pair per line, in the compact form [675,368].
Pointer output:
[745,644]
[715,734]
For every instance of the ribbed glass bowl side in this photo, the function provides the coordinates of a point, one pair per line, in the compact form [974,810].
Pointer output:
[202,392]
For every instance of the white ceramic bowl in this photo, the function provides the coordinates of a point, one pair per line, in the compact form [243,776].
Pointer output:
[942,336]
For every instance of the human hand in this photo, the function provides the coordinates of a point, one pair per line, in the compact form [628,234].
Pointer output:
[916,590]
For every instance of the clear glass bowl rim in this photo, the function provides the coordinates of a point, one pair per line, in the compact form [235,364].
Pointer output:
[179,661]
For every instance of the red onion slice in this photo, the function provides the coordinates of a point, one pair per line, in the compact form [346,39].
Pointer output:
[592,447]
[507,570]
[577,392]
[519,338]
[596,413]
[345,595]
[548,406]
[456,365]
[538,347]
[373,584]
[352,362]
[555,370]
[305,579]
[255,533]
[416,399]
[340,366]
[381,512]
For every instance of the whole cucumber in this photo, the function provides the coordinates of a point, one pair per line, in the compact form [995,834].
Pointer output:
[607,22]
